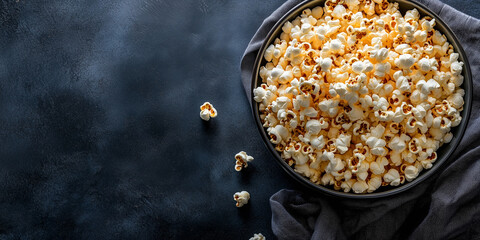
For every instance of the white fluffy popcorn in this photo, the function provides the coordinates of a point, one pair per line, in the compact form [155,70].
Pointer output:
[241,198]
[357,96]
[258,236]
[392,177]
[360,187]
[242,160]
[427,64]
[343,143]
[405,61]
[207,111]
[411,172]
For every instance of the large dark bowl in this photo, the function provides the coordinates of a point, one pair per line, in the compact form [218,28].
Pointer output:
[443,152]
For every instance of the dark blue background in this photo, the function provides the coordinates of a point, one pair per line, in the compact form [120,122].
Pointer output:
[100,135]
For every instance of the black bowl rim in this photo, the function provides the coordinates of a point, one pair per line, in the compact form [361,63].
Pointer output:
[426,173]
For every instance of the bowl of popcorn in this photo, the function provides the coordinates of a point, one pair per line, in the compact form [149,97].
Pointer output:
[361,98]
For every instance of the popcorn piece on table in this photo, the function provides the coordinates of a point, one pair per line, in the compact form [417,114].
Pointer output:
[258,236]
[241,198]
[242,160]
[207,111]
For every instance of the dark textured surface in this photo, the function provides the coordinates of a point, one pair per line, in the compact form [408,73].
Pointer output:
[99,129]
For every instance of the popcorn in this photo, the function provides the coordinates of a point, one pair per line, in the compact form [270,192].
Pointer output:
[207,111]
[405,61]
[335,165]
[269,53]
[420,36]
[378,167]
[338,11]
[456,68]
[347,185]
[360,127]
[241,198]
[305,170]
[411,172]
[427,64]
[456,100]
[375,142]
[285,77]
[309,87]
[384,116]
[379,54]
[448,137]
[343,143]
[357,96]
[278,133]
[392,177]
[301,101]
[355,114]
[318,142]
[324,63]
[438,38]
[259,94]
[397,144]
[428,86]
[379,103]
[293,54]
[413,146]
[357,83]
[242,160]
[360,187]
[257,236]
[402,83]
[358,67]
[287,28]
[327,179]
[309,112]
[314,126]
[381,69]
[317,12]
[329,106]
[276,72]
[374,183]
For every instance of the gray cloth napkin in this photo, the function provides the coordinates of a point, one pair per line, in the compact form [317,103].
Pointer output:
[445,206]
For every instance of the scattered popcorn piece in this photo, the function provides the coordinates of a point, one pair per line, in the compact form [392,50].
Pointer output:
[241,198]
[258,236]
[242,160]
[358,96]
[207,111]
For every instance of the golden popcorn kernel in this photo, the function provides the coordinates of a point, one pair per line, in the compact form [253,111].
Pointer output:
[297,146]
[279,148]
[402,179]
[433,156]
[290,162]
[412,122]
[273,137]
[360,35]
